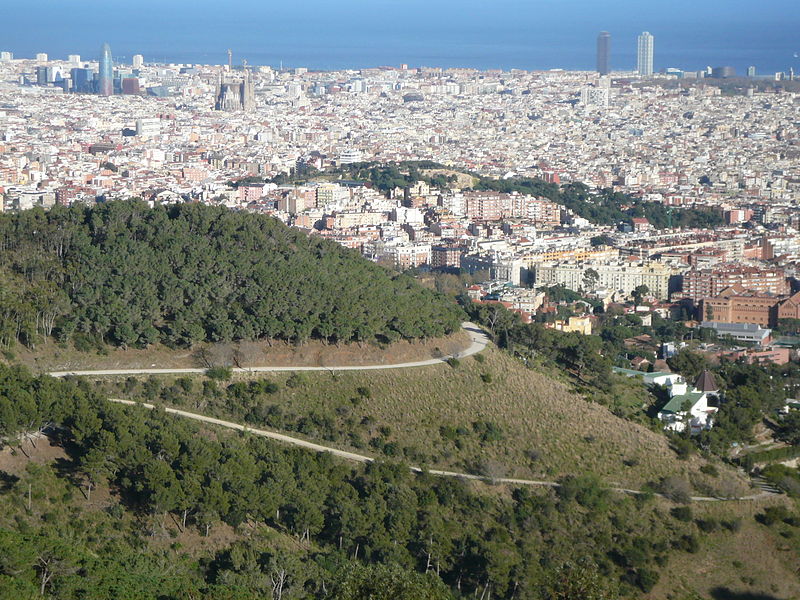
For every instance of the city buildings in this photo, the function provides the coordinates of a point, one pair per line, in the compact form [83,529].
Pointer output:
[659,278]
[604,53]
[148,127]
[743,332]
[698,152]
[735,305]
[644,54]
[710,283]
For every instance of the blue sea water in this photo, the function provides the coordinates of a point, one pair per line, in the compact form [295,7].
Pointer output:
[485,34]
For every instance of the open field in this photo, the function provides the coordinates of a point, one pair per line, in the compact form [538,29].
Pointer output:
[488,415]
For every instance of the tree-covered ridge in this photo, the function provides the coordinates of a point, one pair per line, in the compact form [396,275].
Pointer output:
[132,275]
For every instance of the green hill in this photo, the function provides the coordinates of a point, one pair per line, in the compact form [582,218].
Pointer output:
[141,504]
[127,275]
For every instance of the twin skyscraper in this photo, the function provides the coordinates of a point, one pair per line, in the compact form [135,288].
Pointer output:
[644,54]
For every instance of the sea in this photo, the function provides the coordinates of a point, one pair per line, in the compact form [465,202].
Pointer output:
[353,34]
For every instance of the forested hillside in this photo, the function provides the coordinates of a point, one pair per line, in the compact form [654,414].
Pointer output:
[128,275]
[577,541]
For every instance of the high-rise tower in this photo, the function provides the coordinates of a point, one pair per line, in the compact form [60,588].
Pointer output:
[604,53]
[106,79]
[644,54]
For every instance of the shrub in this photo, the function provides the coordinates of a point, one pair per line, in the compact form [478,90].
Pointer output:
[219,373]
[479,357]
[707,525]
[489,431]
[792,520]
[486,377]
[585,489]
[296,380]
[676,489]
[364,392]
[453,362]
[447,432]
[83,342]
[772,515]
[682,447]
[709,470]
[646,579]
[682,513]
[688,543]
[733,525]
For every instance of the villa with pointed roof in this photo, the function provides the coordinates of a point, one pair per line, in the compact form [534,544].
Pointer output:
[694,407]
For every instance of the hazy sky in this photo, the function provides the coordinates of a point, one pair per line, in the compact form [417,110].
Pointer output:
[522,33]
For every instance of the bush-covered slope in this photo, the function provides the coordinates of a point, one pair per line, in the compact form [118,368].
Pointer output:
[134,275]
[324,528]
[159,465]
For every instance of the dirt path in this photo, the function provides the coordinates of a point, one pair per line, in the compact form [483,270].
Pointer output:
[478,341]
[352,456]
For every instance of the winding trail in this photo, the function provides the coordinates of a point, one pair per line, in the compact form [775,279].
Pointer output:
[478,341]
[361,458]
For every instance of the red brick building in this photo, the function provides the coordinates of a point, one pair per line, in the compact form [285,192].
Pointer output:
[709,283]
[734,305]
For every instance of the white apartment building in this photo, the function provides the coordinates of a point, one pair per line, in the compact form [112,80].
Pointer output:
[616,276]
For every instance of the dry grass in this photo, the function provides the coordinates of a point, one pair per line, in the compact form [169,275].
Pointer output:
[54,357]
[39,450]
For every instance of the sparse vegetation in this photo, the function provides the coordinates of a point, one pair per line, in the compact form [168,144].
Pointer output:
[431,414]
[219,373]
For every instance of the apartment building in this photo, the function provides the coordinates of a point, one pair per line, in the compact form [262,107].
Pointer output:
[658,277]
[709,283]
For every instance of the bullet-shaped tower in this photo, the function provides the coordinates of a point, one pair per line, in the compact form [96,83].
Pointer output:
[106,79]
[604,53]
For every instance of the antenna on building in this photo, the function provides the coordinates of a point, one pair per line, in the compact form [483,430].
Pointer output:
[230,59]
